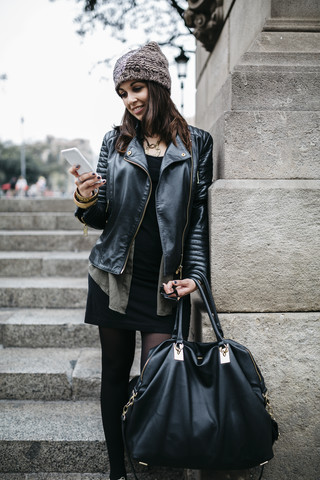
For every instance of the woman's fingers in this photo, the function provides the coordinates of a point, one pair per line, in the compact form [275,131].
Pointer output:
[88,179]
[180,287]
[73,170]
[87,185]
[86,182]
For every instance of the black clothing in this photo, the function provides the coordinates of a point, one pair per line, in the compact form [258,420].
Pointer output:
[118,347]
[141,313]
[181,204]
[147,246]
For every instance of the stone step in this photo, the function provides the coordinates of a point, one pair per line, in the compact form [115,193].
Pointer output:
[280,60]
[39,221]
[152,474]
[58,437]
[53,373]
[43,240]
[37,373]
[44,264]
[40,328]
[50,374]
[294,22]
[286,42]
[52,437]
[53,476]
[37,205]
[42,292]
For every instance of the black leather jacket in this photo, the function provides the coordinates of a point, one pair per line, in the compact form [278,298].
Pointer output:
[181,204]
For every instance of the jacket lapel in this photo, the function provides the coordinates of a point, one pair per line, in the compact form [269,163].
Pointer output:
[175,153]
[135,153]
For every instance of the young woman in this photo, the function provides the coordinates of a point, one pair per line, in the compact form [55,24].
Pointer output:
[149,198]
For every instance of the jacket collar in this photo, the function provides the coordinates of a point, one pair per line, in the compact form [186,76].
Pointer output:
[135,153]
[175,153]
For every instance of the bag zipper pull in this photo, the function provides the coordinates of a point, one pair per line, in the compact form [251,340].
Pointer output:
[224,354]
[178,352]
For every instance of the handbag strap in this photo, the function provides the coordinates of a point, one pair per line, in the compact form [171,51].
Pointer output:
[208,292]
[177,333]
[212,313]
[210,307]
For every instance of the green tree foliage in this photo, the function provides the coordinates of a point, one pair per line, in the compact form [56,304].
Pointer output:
[35,165]
[9,162]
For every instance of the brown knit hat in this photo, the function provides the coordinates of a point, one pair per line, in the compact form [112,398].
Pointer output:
[145,63]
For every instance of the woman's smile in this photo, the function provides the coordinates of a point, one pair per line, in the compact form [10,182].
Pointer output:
[137,110]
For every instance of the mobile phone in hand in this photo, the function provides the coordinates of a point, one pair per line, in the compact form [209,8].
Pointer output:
[75,157]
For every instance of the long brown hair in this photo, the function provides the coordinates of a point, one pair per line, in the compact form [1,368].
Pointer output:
[161,118]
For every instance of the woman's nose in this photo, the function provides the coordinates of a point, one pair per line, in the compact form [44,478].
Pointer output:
[132,98]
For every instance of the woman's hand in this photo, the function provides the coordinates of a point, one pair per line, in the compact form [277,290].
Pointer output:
[183,287]
[87,182]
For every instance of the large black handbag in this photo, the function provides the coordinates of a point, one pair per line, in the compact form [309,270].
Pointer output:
[200,405]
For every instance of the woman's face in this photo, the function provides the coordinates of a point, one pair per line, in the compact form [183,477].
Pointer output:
[134,94]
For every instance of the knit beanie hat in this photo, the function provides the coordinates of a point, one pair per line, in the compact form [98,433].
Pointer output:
[145,63]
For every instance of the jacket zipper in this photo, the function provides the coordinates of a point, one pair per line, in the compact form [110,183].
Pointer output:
[179,269]
[144,211]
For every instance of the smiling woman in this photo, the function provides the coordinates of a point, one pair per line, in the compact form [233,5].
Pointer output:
[152,178]
[153,107]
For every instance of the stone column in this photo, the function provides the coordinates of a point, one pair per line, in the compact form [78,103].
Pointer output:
[258,93]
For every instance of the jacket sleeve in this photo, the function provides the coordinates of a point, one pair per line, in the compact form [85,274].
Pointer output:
[96,216]
[196,250]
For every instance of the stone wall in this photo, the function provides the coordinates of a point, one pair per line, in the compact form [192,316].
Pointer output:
[258,93]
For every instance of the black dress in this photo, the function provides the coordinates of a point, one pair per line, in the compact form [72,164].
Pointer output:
[141,313]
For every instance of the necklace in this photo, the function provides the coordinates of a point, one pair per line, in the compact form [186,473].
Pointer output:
[152,146]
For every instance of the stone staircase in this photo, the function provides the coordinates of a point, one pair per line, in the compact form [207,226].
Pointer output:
[49,360]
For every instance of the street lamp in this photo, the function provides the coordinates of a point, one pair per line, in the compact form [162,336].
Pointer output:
[181,61]
[22,152]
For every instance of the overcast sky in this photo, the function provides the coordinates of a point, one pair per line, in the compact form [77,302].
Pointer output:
[48,75]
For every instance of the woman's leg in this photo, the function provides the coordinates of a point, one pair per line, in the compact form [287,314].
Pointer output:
[150,340]
[118,348]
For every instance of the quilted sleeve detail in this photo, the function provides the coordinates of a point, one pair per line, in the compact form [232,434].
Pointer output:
[196,250]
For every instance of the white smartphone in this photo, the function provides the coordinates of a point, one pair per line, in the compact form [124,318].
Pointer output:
[75,157]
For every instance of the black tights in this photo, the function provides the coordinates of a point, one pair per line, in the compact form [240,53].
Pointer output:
[118,347]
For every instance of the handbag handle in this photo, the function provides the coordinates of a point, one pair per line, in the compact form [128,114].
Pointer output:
[212,312]
[210,307]
[208,292]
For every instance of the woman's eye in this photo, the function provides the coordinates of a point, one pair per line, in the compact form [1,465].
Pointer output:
[137,89]
[122,95]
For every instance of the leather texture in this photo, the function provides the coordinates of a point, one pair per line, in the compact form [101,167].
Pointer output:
[197,412]
[181,203]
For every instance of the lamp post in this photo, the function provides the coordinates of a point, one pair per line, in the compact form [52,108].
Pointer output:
[181,61]
[22,152]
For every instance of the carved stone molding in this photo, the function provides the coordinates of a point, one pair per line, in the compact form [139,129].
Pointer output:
[205,17]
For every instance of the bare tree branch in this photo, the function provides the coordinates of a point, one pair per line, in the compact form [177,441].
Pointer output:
[159,20]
